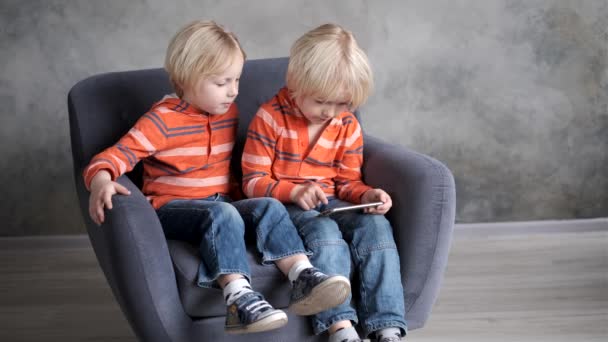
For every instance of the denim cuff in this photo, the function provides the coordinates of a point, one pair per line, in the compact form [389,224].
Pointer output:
[371,327]
[269,259]
[319,327]
[211,281]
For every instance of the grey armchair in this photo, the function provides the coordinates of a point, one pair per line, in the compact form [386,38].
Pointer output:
[153,279]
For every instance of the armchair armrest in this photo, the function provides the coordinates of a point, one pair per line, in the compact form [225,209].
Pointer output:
[133,253]
[422,216]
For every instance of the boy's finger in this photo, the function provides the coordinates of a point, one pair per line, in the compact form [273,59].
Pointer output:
[93,214]
[321,195]
[310,203]
[107,200]
[93,211]
[122,189]
[385,198]
[387,205]
[99,215]
[302,204]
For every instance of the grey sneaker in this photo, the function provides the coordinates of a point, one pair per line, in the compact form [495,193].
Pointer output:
[252,313]
[314,292]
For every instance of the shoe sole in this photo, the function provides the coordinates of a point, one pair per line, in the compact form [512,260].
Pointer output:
[272,321]
[330,293]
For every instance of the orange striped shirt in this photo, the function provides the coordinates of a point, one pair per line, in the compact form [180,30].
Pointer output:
[186,153]
[277,156]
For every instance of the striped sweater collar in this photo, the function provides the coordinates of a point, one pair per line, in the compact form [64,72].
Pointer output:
[176,104]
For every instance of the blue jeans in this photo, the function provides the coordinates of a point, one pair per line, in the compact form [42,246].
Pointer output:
[218,227]
[368,240]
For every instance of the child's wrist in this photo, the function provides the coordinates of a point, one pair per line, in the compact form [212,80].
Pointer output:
[293,193]
[100,178]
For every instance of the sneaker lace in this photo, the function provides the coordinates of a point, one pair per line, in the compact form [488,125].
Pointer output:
[319,274]
[257,306]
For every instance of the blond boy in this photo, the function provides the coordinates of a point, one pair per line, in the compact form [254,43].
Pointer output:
[185,141]
[305,148]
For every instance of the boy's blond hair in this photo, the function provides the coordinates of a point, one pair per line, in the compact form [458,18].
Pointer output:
[327,60]
[200,49]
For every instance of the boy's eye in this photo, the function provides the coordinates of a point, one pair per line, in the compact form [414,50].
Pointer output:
[220,84]
[319,101]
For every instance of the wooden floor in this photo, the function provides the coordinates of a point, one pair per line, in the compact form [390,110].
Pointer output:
[544,281]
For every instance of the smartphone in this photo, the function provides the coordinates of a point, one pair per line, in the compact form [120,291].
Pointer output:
[349,207]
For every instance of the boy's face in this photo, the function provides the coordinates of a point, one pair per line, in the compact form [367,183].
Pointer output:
[215,94]
[318,110]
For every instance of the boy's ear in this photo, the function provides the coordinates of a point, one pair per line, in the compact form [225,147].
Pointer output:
[297,100]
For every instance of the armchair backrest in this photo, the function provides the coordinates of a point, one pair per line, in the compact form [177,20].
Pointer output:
[104,107]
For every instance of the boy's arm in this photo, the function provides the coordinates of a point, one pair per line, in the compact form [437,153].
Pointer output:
[143,140]
[349,184]
[257,159]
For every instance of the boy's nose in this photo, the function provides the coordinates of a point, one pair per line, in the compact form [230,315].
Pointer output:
[233,90]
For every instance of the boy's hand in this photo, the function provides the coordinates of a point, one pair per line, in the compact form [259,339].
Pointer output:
[375,195]
[307,196]
[102,190]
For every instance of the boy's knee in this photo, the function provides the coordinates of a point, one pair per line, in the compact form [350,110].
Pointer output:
[269,203]
[318,230]
[375,230]
[261,205]
[372,220]
[226,211]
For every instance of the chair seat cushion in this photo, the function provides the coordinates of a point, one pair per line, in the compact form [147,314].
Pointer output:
[201,302]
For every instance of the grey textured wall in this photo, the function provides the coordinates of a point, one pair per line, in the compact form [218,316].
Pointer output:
[511,95]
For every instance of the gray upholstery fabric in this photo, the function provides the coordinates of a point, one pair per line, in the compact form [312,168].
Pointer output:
[153,279]
[202,303]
